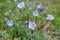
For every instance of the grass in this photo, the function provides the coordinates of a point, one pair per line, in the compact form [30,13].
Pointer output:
[20,28]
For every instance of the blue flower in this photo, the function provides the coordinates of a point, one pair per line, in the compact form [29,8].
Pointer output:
[50,17]
[39,6]
[21,5]
[10,22]
[32,25]
[35,13]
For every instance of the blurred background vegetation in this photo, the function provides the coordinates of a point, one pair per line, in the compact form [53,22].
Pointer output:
[20,30]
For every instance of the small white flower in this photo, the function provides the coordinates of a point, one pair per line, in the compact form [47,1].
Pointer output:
[10,22]
[39,6]
[50,17]
[15,0]
[32,25]
[6,13]
[21,5]
[35,13]
[30,8]
[9,10]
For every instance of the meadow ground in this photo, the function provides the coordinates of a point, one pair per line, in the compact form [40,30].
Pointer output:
[19,29]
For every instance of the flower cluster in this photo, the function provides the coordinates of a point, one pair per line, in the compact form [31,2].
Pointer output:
[31,24]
